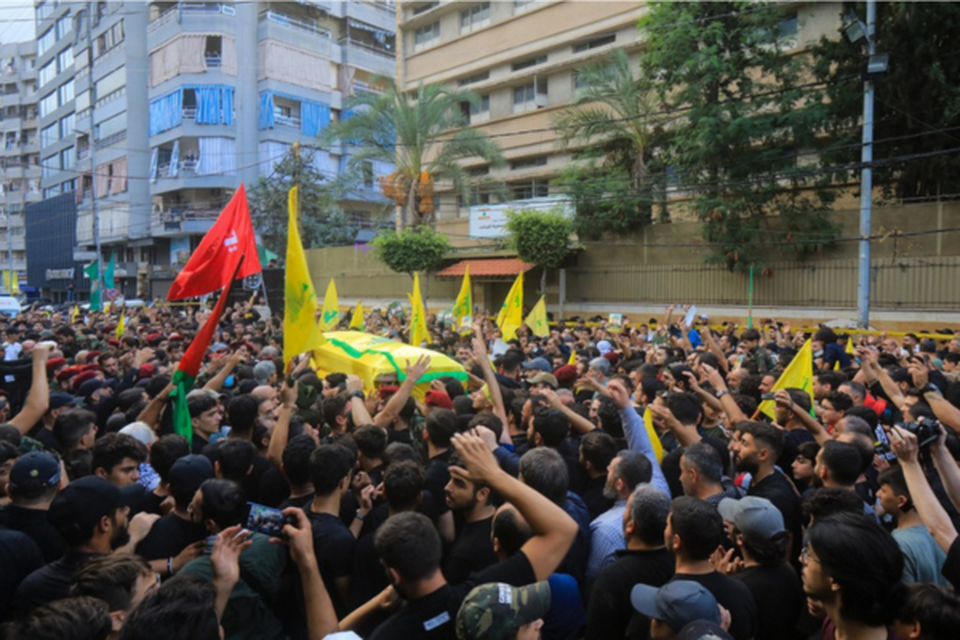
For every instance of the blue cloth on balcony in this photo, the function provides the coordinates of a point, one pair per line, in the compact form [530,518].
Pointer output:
[314,117]
[266,120]
[166,112]
[208,105]
[226,115]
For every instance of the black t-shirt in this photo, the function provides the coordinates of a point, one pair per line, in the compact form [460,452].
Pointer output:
[197,444]
[334,546]
[436,475]
[149,504]
[779,596]
[670,465]
[778,489]
[301,502]
[34,523]
[951,566]
[274,488]
[48,583]
[610,614]
[169,536]
[732,595]
[593,496]
[19,557]
[45,437]
[472,551]
[434,616]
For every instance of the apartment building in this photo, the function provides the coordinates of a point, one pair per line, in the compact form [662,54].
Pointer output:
[169,106]
[19,146]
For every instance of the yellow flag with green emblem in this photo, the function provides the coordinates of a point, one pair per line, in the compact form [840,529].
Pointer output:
[797,375]
[122,322]
[418,316]
[300,330]
[537,319]
[331,308]
[511,313]
[463,307]
[356,321]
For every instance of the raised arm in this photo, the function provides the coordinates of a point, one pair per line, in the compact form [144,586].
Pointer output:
[946,413]
[397,401]
[321,617]
[635,432]
[809,422]
[730,406]
[152,412]
[490,378]
[216,382]
[580,424]
[281,429]
[358,408]
[553,530]
[38,399]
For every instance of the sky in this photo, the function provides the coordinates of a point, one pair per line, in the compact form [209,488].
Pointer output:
[16,20]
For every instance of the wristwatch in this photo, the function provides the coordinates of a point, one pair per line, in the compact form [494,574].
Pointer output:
[360,515]
[723,392]
[358,394]
[931,388]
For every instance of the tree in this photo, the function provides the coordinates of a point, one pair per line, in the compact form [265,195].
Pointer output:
[917,104]
[611,126]
[425,136]
[411,250]
[741,119]
[322,222]
[541,238]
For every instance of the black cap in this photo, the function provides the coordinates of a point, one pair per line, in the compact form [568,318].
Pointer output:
[60,399]
[87,388]
[84,502]
[33,471]
[188,473]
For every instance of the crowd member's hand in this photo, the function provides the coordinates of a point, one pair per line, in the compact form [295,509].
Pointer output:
[140,526]
[479,465]
[388,599]
[551,397]
[919,372]
[663,416]
[437,385]
[904,445]
[713,377]
[726,562]
[783,399]
[42,350]
[354,384]
[143,356]
[488,436]
[725,618]
[190,552]
[416,370]
[288,395]
[360,481]
[619,394]
[692,381]
[880,463]
[366,497]
[298,536]
[225,557]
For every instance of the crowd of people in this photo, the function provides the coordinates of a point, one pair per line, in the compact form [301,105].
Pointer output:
[640,481]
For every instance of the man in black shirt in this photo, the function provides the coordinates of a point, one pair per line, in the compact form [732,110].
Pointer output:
[34,481]
[440,426]
[205,417]
[19,557]
[644,561]
[473,548]
[59,403]
[174,532]
[409,546]
[694,531]
[597,450]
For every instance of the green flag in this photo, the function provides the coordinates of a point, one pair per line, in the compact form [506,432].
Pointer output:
[91,271]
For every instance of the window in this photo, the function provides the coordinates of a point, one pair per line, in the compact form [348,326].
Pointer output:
[479,77]
[46,41]
[476,198]
[66,159]
[64,26]
[478,112]
[595,43]
[49,135]
[528,163]
[83,102]
[66,92]
[426,36]
[425,7]
[48,166]
[48,104]
[67,125]
[48,72]
[44,10]
[519,6]
[789,26]
[108,39]
[529,62]
[111,83]
[112,126]
[475,17]
[538,188]
[52,191]
[214,50]
[65,59]
[530,96]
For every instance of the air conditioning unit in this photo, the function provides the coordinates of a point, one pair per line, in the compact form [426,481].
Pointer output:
[540,100]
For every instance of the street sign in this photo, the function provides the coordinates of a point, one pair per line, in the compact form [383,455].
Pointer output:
[84,256]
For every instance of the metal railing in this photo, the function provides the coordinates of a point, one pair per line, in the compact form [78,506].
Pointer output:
[295,23]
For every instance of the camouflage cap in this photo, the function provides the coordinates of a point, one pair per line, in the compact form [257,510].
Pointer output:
[496,610]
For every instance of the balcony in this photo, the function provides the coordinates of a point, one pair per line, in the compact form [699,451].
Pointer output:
[180,220]
[295,32]
[287,119]
[364,56]
[176,14]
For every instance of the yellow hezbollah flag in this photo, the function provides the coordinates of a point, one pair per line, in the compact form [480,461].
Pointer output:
[537,319]
[356,322]
[652,434]
[418,317]
[300,330]
[573,356]
[798,375]
[463,307]
[331,308]
[511,313]
[74,313]
[121,323]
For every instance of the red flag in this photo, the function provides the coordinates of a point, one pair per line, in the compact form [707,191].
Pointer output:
[214,262]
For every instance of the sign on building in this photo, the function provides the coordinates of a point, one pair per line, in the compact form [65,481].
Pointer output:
[490,220]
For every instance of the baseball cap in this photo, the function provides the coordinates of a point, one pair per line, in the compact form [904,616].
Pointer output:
[544,378]
[755,517]
[494,611]
[60,399]
[188,473]
[604,347]
[676,603]
[34,470]
[83,502]
[703,630]
[87,388]
[541,364]
[601,364]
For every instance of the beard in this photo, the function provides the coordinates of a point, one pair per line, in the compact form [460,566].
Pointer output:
[747,465]
[121,535]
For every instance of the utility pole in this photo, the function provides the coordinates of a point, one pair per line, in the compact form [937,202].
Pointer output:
[91,7]
[866,180]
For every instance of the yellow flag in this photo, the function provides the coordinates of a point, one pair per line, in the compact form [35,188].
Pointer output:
[106,308]
[331,308]
[797,375]
[300,330]
[652,434]
[74,313]
[16,283]
[511,313]
[418,316]
[463,307]
[356,322]
[537,319]
[121,323]
[573,356]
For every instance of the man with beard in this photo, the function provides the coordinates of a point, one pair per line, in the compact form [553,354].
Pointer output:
[852,568]
[759,448]
[91,515]
[473,548]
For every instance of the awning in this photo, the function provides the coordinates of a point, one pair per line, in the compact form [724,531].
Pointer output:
[488,268]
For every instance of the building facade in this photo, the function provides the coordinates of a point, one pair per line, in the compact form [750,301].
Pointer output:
[170,106]
[19,157]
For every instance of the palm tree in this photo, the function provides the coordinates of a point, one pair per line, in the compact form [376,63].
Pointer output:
[424,135]
[611,119]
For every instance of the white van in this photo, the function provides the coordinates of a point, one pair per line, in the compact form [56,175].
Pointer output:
[9,306]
